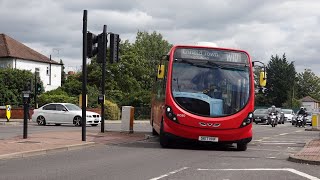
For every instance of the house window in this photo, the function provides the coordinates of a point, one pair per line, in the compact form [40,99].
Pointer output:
[48,71]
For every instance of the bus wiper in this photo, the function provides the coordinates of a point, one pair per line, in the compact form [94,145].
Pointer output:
[213,64]
[184,61]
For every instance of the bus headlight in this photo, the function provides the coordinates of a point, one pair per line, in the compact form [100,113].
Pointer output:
[170,114]
[248,120]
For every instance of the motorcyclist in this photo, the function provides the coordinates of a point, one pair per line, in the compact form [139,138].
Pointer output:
[304,113]
[274,110]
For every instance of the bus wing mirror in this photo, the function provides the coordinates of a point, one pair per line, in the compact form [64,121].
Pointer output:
[263,79]
[165,57]
[160,71]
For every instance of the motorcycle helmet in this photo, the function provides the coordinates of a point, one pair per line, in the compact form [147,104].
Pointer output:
[302,108]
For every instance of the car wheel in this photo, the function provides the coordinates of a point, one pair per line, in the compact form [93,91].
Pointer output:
[41,121]
[77,121]
[242,146]
[94,124]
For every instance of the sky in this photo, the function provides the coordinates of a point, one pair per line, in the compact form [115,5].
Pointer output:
[262,28]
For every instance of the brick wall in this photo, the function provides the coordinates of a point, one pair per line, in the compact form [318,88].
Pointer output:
[16,113]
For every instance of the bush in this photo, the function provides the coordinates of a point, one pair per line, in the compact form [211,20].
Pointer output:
[55,98]
[112,111]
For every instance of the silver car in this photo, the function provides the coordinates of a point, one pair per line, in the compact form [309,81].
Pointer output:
[63,113]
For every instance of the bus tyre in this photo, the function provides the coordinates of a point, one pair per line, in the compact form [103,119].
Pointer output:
[164,140]
[154,132]
[242,146]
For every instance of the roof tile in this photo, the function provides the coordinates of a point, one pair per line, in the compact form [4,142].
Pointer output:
[9,47]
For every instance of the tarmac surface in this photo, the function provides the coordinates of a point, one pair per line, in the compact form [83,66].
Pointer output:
[51,142]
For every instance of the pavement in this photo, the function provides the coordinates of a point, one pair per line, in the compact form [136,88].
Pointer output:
[310,153]
[51,142]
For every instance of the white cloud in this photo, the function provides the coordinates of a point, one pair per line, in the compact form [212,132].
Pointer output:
[263,28]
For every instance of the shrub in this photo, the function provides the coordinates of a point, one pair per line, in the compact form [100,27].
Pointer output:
[112,111]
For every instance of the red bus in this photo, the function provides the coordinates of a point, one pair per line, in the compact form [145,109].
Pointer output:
[204,94]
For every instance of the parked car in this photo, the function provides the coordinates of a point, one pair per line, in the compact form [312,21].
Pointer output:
[260,116]
[309,118]
[63,113]
[288,114]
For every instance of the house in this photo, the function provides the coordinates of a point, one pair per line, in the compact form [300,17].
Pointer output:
[14,54]
[310,103]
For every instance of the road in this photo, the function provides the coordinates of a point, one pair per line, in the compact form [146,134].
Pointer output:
[265,159]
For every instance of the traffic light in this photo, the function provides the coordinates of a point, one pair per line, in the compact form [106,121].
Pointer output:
[39,88]
[114,48]
[92,41]
[101,48]
[28,85]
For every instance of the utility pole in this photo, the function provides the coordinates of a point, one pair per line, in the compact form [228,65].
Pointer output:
[84,76]
[104,56]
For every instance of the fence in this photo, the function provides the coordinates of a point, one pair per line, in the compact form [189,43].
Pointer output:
[142,113]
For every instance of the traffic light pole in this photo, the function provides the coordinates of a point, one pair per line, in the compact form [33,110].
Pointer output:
[35,90]
[104,56]
[84,75]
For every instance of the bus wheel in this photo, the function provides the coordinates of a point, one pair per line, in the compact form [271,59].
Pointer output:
[242,146]
[154,132]
[164,140]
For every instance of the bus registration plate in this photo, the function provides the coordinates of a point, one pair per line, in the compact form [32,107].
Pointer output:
[208,138]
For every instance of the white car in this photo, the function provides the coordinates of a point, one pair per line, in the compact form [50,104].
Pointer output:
[63,113]
[288,114]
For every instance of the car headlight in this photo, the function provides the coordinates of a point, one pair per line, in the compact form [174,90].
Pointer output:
[89,116]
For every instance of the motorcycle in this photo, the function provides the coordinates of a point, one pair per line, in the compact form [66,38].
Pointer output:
[299,121]
[273,120]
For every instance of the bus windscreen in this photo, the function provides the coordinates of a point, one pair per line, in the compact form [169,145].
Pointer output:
[210,82]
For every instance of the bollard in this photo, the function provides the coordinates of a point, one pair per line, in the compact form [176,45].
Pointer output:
[8,112]
[315,121]
[127,119]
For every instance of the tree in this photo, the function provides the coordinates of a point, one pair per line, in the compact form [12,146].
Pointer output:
[63,73]
[308,84]
[12,83]
[135,72]
[280,80]
[150,48]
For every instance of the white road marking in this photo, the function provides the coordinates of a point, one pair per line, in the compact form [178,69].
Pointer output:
[170,173]
[277,143]
[267,169]
[283,134]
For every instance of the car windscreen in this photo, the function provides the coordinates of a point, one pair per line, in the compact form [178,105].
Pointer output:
[72,107]
[287,111]
[260,111]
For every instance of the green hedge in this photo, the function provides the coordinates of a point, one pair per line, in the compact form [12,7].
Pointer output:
[112,111]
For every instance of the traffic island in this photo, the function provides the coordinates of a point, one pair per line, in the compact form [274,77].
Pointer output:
[310,154]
